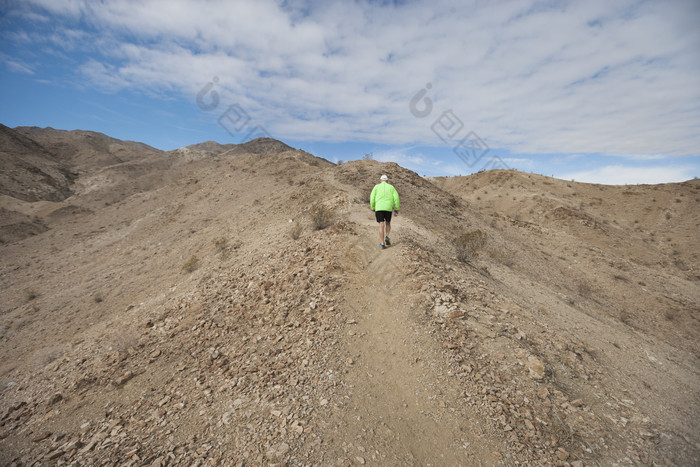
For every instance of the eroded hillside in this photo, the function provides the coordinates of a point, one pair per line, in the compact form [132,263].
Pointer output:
[188,310]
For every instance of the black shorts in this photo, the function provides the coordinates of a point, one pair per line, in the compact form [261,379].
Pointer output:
[383,216]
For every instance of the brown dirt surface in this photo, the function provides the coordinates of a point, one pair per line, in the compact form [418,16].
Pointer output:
[181,308]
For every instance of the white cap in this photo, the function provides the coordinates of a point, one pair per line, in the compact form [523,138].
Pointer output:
[384,177]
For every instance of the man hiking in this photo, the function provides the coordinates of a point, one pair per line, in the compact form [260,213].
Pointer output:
[383,200]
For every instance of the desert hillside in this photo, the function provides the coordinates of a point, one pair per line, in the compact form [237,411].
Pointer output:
[229,305]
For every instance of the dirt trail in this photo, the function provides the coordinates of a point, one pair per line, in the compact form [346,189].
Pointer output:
[402,408]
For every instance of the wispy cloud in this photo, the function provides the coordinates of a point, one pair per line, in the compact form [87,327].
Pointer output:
[443,163]
[623,175]
[18,67]
[562,77]
[566,159]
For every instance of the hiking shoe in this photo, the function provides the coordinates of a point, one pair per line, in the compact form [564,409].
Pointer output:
[381,245]
[387,241]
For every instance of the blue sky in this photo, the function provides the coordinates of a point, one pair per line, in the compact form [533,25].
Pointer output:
[596,91]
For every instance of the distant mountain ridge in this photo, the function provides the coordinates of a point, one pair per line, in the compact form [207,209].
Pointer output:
[29,171]
[45,163]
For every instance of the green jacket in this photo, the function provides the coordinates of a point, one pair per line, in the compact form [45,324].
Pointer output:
[384,197]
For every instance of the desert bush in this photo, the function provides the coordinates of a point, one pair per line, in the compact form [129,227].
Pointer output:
[30,294]
[584,289]
[191,264]
[220,244]
[468,245]
[296,230]
[625,317]
[502,256]
[122,339]
[46,355]
[321,216]
[223,248]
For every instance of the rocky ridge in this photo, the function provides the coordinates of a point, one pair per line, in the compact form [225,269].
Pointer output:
[195,330]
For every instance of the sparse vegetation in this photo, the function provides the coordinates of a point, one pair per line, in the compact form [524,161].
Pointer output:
[584,289]
[47,355]
[502,256]
[191,264]
[321,216]
[296,230]
[222,247]
[122,340]
[30,294]
[469,244]
[625,317]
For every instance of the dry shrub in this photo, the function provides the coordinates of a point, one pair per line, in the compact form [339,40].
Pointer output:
[30,294]
[221,244]
[468,245]
[585,289]
[223,248]
[296,230]
[191,264]
[321,216]
[502,256]
[122,339]
[46,355]
[625,317]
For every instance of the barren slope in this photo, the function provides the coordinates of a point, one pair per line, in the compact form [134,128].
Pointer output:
[184,323]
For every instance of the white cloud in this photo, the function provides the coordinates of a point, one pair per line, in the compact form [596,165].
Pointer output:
[17,65]
[581,77]
[567,159]
[625,175]
[423,164]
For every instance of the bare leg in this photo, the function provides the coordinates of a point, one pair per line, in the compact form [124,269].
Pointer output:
[381,233]
[388,228]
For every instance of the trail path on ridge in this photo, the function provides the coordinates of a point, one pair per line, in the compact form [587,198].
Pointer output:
[400,408]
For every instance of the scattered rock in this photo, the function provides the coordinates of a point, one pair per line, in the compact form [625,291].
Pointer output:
[535,367]
[42,436]
[123,378]
[562,454]
[277,451]
[57,397]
